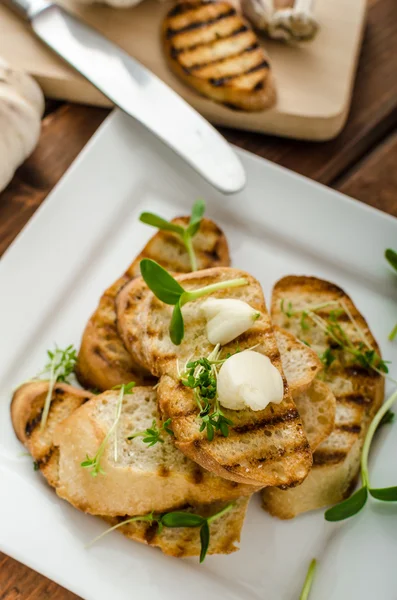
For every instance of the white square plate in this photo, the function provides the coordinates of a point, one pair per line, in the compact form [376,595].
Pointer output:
[77,243]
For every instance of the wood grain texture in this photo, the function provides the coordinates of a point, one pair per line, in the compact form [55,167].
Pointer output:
[360,162]
[374,180]
[18,582]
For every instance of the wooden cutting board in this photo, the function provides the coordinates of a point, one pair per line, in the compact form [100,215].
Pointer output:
[314,80]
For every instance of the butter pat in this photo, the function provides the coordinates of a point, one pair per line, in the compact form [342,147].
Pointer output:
[249,380]
[227,319]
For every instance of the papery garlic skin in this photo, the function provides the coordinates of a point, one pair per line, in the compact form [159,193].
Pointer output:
[248,379]
[227,319]
[290,25]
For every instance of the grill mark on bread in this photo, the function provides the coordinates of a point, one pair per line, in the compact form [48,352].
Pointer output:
[352,428]
[322,457]
[150,531]
[175,52]
[46,458]
[290,415]
[264,64]
[33,423]
[170,32]
[300,448]
[357,399]
[197,475]
[163,471]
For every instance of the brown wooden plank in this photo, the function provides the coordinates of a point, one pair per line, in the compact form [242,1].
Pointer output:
[64,134]
[373,112]
[374,180]
[18,582]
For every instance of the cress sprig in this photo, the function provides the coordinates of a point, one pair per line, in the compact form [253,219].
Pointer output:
[186,233]
[94,463]
[201,376]
[169,291]
[176,519]
[152,435]
[307,586]
[391,257]
[60,366]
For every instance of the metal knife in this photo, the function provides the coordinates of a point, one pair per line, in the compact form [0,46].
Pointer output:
[137,91]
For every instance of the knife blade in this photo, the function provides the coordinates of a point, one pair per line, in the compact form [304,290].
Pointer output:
[137,91]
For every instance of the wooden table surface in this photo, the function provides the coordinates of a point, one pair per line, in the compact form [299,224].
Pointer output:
[361,162]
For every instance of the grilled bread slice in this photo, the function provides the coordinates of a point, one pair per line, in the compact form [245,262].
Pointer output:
[143,479]
[215,51]
[317,408]
[26,410]
[358,391]
[266,447]
[103,361]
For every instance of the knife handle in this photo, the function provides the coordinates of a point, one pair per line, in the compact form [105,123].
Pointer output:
[27,9]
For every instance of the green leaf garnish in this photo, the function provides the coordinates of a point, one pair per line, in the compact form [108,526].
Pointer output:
[349,507]
[186,233]
[308,581]
[169,291]
[176,519]
[384,494]
[204,540]
[94,463]
[153,434]
[391,257]
[162,284]
[59,368]
[327,358]
[182,519]
[387,418]
[393,333]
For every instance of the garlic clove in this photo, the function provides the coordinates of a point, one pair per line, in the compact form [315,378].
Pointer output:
[259,12]
[290,25]
[227,319]
[248,379]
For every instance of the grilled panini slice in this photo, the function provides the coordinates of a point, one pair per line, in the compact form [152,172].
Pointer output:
[263,448]
[103,360]
[358,391]
[215,51]
[69,433]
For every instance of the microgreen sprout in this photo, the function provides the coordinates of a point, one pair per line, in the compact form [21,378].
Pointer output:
[169,291]
[175,519]
[201,376]
[391,257]
[94,463]
[59,368]
[153,434]
[309,580]
[186,233]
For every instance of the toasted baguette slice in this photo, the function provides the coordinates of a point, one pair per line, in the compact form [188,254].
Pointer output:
[300,363]
[103,361]
[359,393]
[215,51]
[144,479]
[317,407]
[263,448]
[26,410]
[183,542]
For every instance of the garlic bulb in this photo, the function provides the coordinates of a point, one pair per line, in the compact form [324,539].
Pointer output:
[227,319]
[294,24]
[21,108]
[248,379]
[286,20]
